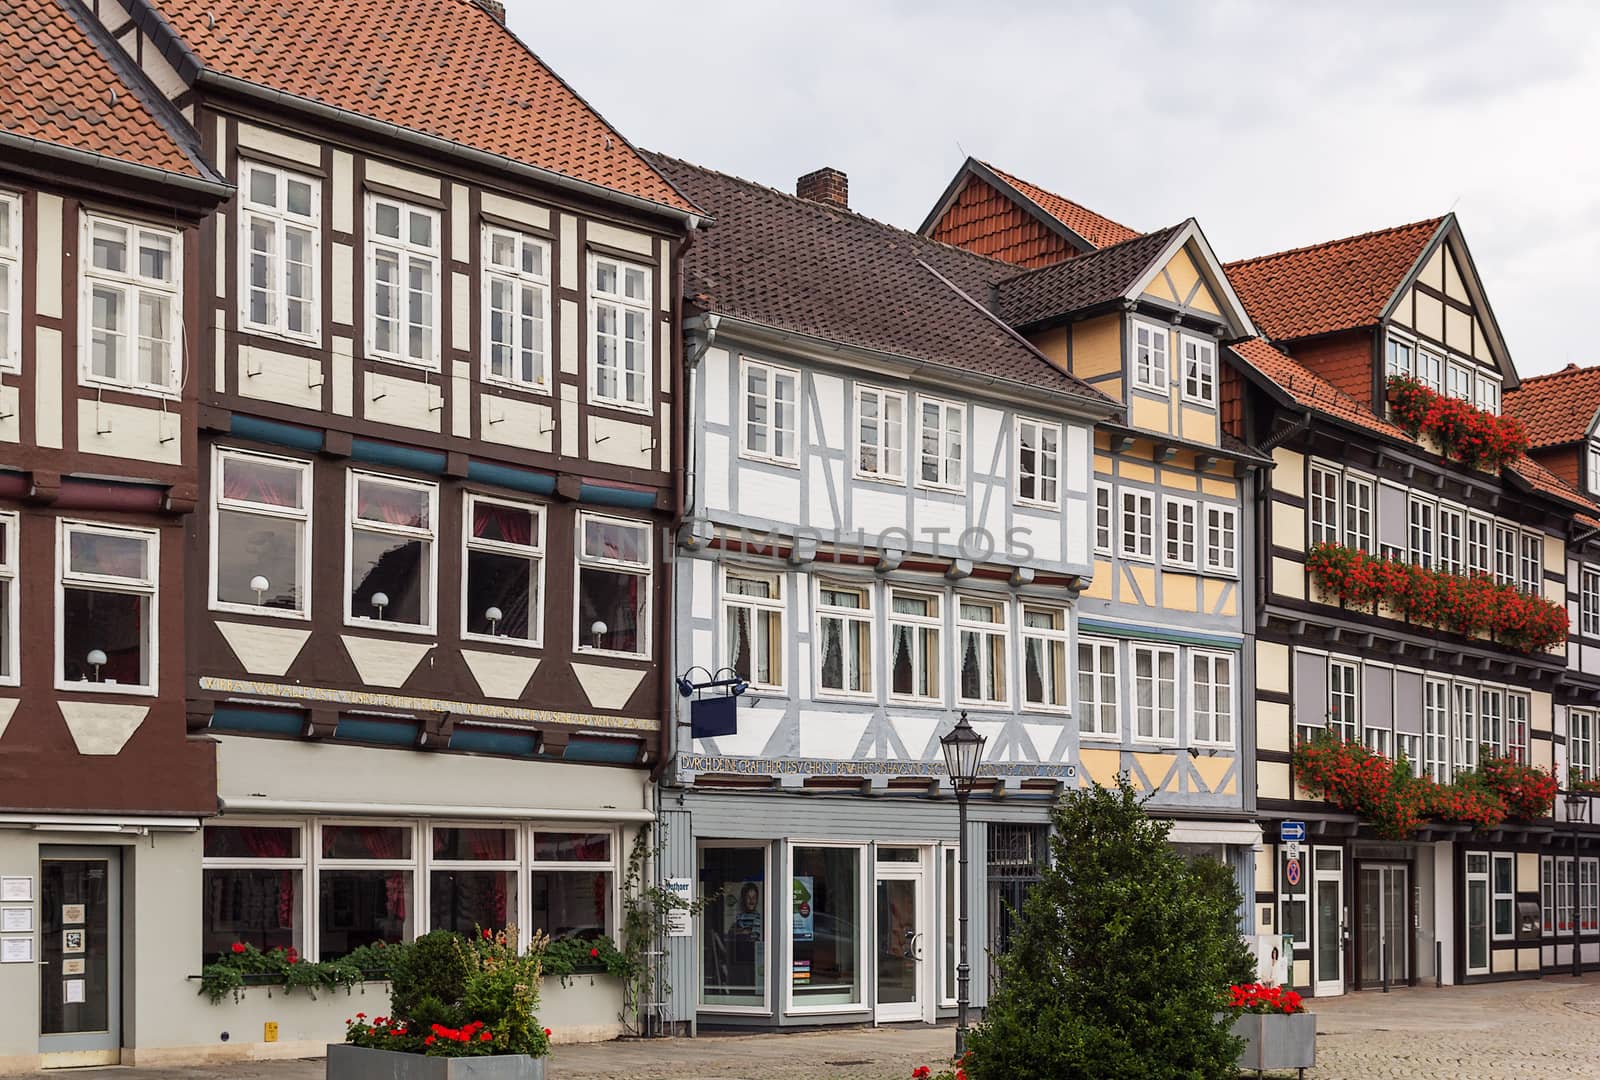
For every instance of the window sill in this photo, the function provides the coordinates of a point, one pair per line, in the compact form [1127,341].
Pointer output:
[495,382]
[308,342]
[635,407]
[356,623]
[767,459]
[876,478]
[521,644]
[224,608]
[1035,504]
[124,690]
[608,654]
[90,383]
[432,366]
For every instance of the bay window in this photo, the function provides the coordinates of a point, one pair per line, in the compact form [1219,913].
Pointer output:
[10,282]
[260,534]
[390,551]
[1178,526]
[752,619]
[573,876]
[366,881]
[1199,370]
[824,924]
[1149,356]
[1044,657]
[131,290]
[1344,699]
[619,351]
[1211,697]
[614,560]
[985,643]
[771,400]
[844,639]
[1098,686]
[1138,525]
[106,598]
[503,587]
[1038,462]
[880,433]
[403,282]
[252,878]
[280,246]
[1155,693]
[516,309]
[941,437]
[915,627]
[472,878]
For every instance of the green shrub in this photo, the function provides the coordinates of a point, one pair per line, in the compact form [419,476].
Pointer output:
[430,977]
[1120,959]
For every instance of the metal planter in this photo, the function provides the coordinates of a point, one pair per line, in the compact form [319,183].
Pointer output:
[347,1062]
[1277,1040]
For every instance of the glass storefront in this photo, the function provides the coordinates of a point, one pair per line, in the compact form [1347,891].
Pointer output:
[733,927]
[825,927]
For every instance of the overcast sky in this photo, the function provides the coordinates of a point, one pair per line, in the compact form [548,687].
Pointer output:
[1274,125]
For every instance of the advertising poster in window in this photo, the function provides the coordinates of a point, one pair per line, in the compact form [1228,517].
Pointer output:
[741,920]
[803,914]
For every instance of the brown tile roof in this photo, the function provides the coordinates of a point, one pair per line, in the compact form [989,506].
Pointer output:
[1098,229]
[442,67]
[57,87]
[1339,285]
[1094,278]
[825,272]
[1311,391]
[1556,408]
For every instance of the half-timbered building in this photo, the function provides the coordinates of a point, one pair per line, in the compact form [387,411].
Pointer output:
[102,788]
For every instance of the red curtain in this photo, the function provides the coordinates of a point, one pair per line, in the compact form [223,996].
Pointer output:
[384,843]
[275,844]
[505,523]
[392,506]
[257,484]
[490,844]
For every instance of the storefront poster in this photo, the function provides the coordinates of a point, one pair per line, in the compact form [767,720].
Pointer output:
[802,907]
[741,919]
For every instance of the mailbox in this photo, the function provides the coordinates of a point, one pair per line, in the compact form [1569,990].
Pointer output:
[1528,920]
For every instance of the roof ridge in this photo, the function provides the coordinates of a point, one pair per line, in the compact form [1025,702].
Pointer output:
[1566,372]
[1434,222]
[1079,260]
[1014,179]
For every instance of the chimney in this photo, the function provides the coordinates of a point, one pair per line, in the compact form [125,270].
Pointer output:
[826,185]
[495,8]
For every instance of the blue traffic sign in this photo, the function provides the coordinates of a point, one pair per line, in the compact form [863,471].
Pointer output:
[1292,831]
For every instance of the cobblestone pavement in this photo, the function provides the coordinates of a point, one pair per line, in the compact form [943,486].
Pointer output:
[1504,1031]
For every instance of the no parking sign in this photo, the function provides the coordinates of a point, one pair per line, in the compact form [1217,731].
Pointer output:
[1291,871]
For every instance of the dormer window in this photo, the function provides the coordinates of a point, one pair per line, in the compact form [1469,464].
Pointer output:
[1430,370]
[1593,475]
[1486,395]
[1199,371]
[1460,381]
[1150,357]
[1402,358]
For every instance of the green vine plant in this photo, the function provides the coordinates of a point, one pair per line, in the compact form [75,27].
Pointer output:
[648,909]
[243,966]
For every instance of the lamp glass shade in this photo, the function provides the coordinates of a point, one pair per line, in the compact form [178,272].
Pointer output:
[963,750]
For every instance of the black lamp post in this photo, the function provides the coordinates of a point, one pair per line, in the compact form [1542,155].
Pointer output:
[1577,811]
[963,750]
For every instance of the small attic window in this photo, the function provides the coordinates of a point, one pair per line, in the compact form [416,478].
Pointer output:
[1592,474]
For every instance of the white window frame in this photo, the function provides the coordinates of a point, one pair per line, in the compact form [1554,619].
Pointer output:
[623,304]
[1588,893]
[1051,638]
[1530,563]
[1593,459]
[1480,545]
[10,616]
[756,608]
[1104,518]
[1498,859]
[1344,689]
[405,252]
[11,270]
[1519,709]
[887,451]
[1358,514]
[1141,515]
[1180,532]
[305,902]
[917,624]
[865,615]
[1199,370]
[765,944]
[1451,526]
[1222,692]
[1589,602]
[1479,877]
[1092,705]
[1506,551]
[1436,729]
[149,587]
[950,465]
[1422,536]
[773,429]
[1547,893]
[281,220]
[1393,363]
[1155,710]
[1151,343]
[1046,474]
[535,550]
[1466,730]
[132,286]
[219,457]
[1492,718]
[864,883]
[612,865]
[644,568]
[1459,381]
[1222,540]
[421,835]
[1580,742]
[1323,516]
[518,281]
[1429,368]
[987,632]
[1486,394]
[353,478]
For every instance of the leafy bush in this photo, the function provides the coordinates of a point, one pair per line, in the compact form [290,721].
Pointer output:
[245,965]
[430,978]
[1121,958]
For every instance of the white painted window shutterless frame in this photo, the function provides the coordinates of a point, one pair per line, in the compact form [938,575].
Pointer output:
[769,397]
[983,626]
[280,252]
[614,560]
[1593,458]
[845,645]
[1531,563]
[1104,518]
[260,534]
[1098,689]
[1180,529]
[1211,697]
[1150,365]
[1322,503]
[253,871]
[107,604]
[361,858]
[130,306]
[1358,504]
[1400,354]
[1222,540]
[1344,699]
[1199,370]
[619,333]
[502,571]
[1486,393]
[1045,684]
[941,444]
[1155,693]
[516,309]
[403,291]
[1038,463]
[1589,620]
[1517,710]
[916,633]
[1138,525]
[1479,546]
[10,282]
[880,434]
[10,601]
[391,552]
[1580,742]
[753,616]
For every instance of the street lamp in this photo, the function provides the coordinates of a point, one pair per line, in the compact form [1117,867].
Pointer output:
[963,750]
[1577,811]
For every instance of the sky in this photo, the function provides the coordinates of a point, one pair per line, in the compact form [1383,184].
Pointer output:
[1274,125]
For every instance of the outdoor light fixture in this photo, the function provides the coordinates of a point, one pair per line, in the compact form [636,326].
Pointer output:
[259,585]
[963,752]
[97,660]
[380,600]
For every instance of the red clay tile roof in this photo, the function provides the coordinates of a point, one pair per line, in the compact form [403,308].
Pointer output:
[828,273]
[1098,229]
[1556,408]
[57,87]
[1339,285]
[442,67]
[1311,391]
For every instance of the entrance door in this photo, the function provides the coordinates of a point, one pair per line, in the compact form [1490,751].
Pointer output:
[1385,937]
[901,937]
[1328,900]
[80,956]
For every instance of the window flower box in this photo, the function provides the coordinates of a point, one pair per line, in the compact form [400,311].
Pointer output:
[1276,1040]
[346,1062]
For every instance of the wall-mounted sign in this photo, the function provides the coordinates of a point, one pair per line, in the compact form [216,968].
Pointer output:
[72,967]
[1291,872]
[72,940]
[71,913]
[16,950]
[1292,830]
[678,918]
[16,920]
[16,888]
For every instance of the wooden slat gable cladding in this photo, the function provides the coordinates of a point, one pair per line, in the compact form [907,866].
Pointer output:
[987,222]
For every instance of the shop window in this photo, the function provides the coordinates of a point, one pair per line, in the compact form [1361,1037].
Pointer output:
[261,529]
[825,927]
[734,938]
[251,882]
[366,881]
[752,605]
[107,601]
[1017,856]
[613,585]
[950,919]
[504,595]
[472,879]
[390,551]
[573,875]
[915,629]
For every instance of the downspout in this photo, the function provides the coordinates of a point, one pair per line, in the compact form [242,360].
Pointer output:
[1263,549]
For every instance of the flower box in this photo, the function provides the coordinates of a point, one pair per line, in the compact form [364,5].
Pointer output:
[1276,1040]
[346,1062]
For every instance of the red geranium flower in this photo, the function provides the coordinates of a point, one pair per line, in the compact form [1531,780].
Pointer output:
[594,952]
[238,947]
